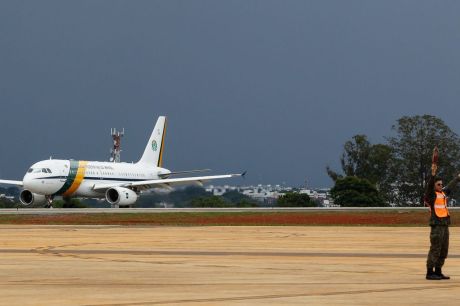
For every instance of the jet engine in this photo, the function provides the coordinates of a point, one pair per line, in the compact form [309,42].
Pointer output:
[120,196]
[27,198]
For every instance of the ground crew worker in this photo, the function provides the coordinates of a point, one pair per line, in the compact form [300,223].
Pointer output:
[436,199]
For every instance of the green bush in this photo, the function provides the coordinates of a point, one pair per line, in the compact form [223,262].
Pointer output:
[352,191]
[212,201]
[295,199]
[71,203]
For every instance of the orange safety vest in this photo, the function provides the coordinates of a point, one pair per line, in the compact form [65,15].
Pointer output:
[440,205]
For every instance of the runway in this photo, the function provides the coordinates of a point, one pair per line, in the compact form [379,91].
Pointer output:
[116,265]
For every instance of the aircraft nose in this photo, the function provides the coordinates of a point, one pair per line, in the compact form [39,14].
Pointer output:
[29,183]
[26,181]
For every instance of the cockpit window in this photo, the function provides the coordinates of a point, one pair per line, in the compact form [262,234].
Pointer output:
[49,170]
[30,170]
[37,170]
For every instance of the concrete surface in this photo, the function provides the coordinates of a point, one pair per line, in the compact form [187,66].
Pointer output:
[112,265]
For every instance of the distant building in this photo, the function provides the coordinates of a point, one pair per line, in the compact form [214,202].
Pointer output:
[220,190]
[269,194]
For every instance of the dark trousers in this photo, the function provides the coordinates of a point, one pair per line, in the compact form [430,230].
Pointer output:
[439,238]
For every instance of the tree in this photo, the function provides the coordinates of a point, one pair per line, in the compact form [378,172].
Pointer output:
[355,158]
[294,199]
[362,159]
[213,201]
[352,191]
[381,174]
[412,147]
[239,199]
[68,203]
[4,203]
[371,162]
[246,203]
[184,197]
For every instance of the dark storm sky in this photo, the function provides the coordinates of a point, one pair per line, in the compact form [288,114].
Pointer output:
[272,87]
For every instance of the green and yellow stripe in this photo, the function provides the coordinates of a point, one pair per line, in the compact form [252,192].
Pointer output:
[80,175]
[74,179]
[160,159]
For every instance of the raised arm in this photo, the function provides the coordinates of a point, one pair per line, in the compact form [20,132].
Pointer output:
[452,184]
[429,188]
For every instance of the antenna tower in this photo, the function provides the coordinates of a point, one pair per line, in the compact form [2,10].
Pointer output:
[115,152]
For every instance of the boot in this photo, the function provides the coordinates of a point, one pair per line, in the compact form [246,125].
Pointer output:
[430,275]
[438,272]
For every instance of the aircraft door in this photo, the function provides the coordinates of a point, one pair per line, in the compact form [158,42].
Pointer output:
[62,176]
[64,171]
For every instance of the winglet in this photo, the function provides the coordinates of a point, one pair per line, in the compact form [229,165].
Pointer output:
[244,174]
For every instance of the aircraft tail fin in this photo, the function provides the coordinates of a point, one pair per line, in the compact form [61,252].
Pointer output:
[153,153]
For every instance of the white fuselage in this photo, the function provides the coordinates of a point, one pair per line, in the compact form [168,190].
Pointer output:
[73,178]
[119,183]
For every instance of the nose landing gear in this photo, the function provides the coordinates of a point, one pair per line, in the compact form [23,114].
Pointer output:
[49,201]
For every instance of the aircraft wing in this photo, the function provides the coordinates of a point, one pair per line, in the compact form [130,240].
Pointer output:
[165,183]
[9,182]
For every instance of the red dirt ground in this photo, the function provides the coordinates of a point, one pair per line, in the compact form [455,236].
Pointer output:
[302,218]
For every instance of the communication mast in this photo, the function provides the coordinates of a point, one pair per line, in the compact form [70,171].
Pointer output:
[116,150]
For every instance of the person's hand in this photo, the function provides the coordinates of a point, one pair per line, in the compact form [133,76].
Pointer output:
[435,157]
[434,168]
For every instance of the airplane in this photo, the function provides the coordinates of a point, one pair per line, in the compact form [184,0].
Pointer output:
[119,183]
